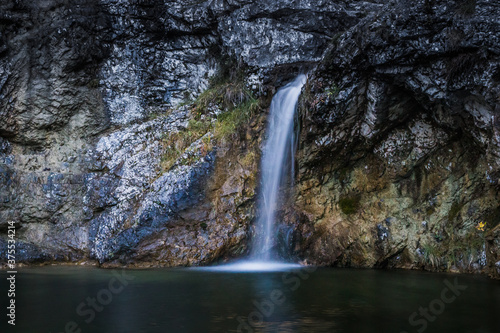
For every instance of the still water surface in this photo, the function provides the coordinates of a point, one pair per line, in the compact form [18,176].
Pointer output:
[200,300]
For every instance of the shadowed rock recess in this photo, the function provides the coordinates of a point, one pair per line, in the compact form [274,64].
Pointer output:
[131,132]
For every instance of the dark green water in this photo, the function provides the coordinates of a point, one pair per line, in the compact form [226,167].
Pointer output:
[191,300]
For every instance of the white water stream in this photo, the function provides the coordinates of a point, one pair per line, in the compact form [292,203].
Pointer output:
[277,164]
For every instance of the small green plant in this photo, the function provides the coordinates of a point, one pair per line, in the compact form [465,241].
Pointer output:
[190,159]
[155,115]
[432,254]
[226,95]
[438,237]
[169,157]
[198,128]
[207,142]
[333,90]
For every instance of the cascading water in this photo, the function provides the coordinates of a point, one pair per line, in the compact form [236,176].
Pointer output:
[277,164]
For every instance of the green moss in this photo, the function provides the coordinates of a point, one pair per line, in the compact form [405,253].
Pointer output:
[169,157]
[229,122]
[248,159]
[176,143]
[454,211]
[227,96]
[455,250]
[227,92]
[197,128]
[237,103]
[349,205]
[226,89]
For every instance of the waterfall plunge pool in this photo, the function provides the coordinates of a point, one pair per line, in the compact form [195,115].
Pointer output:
[306,299]
[248,266]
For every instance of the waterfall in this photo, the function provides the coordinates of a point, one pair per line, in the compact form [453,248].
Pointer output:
[276,166]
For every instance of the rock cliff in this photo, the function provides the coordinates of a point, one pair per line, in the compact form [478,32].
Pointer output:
[399,157]
[132,131]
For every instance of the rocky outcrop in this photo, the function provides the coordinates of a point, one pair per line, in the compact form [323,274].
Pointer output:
[193,212]
[50,109]
[399,161]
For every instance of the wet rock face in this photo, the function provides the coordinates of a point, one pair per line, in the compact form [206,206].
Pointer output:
[402,116]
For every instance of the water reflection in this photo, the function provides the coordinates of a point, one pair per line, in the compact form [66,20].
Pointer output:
[187,300]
